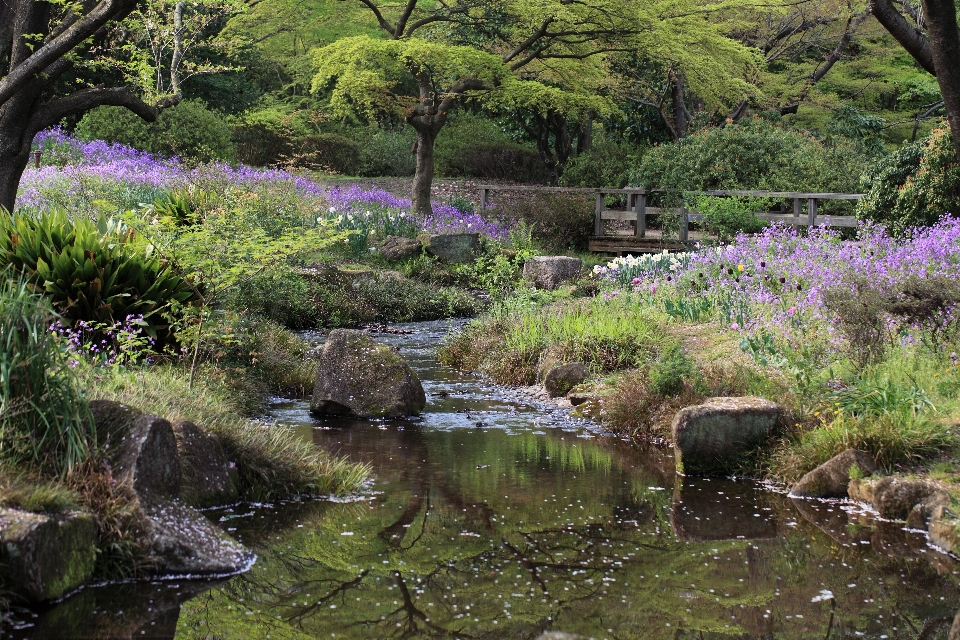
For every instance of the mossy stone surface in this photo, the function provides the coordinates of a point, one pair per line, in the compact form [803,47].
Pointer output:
[42,557]
[359,376]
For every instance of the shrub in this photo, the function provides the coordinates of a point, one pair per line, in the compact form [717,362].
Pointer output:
[752,154]
[44,419]
[328,152]
[475,147]
[915,186]
[558,221]
[727,216]
[670,370]
[189,130]
[259,145]
[96,272]
[606,165]
[385,152]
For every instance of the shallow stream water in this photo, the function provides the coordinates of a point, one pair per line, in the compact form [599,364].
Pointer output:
[499,516]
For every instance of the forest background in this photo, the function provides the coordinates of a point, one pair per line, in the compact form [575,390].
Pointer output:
[317,86]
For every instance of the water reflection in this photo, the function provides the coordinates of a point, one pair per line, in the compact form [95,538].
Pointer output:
[525,525]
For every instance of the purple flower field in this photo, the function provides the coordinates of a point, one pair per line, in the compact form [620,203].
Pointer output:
[96,176]
[776,281]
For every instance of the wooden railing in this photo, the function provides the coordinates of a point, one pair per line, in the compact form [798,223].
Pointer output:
[637,210]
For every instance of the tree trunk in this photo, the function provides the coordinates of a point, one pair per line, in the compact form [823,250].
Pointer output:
[941,19]
[423,178]
[681,117]
[10,171]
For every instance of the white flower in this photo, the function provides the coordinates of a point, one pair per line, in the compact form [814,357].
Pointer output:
[825,594]
[332,209]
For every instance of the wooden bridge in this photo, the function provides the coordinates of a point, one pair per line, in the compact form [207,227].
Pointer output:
[640,239]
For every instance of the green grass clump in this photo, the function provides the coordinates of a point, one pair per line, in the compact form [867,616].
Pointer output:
[23,490]
[513,343]
[44,420]
[271,460]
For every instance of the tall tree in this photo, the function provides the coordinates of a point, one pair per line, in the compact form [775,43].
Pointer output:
[42,47]
[932,38]
[550,56]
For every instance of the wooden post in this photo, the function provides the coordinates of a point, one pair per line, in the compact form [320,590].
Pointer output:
[598,222]
[684,224]
[483,199]
[37,155]
[796,209]
[641,207]
[812,211]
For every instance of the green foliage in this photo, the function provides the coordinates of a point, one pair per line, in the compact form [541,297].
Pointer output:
[476,147]
[189,130]
[670,370]
[44,420]
[328,152]
[91,271]
[386,152]
[606,165]
[751,154]
[853,124]
[914,187]
[557,221]
[726,217]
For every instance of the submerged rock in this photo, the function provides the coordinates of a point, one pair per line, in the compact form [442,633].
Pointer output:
[397,247]
[830,479]
[42,557]
[894,497]
[549,272]
[560,380]
[209,477]
[706,436]
[453,247]
[359,376]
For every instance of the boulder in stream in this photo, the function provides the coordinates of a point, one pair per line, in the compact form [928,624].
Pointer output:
[895,497]
[209,477]
[356,375]
[830,479]
[43,556]
[707,436]
[561,379]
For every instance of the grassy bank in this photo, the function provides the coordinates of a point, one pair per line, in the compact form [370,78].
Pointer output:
[857,341]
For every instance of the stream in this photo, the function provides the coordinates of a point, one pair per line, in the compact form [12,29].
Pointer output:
[496,515]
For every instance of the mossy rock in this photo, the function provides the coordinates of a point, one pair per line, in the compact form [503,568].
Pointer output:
[359,376]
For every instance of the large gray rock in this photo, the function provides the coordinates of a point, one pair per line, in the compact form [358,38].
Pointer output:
[142,448]
[179,539]
[894,497]
[830,479]
[399,248]
[184,543]
[549,272]
[42,557]
[453,247]
[706,436]
[560,380]
[359,376]
[209,477]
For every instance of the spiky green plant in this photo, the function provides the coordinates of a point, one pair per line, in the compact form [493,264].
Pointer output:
[96,272]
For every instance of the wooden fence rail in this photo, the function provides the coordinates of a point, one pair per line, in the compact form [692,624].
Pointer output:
[636,210]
